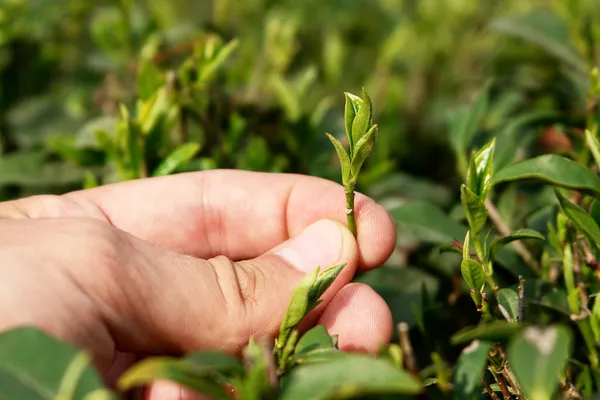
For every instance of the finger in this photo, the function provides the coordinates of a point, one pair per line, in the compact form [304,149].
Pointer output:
[165,390]
[162,301]
[360,317]
[238,214]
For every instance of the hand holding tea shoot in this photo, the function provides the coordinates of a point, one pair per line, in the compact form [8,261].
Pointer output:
[361,133]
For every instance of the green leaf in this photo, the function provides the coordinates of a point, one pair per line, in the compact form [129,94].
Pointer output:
[552,169]
[362,121]
[428,222]
[149,79]
[509,300]
[353,104]
[259,380]
[350,376]
[473,274]
[322,283]
[25,356]
[299,304]
[467,121]
[581,219]
[363,150]
[538,357]
[343,156]
[546,30]
[498,330]
[208,363]
[475,209]
[520,234]
[316,338]
[594,146]
[469,370]
[178,157]
[174,370]
[484,169]
[208,71]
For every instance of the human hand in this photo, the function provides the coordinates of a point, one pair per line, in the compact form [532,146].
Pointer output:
[188,262]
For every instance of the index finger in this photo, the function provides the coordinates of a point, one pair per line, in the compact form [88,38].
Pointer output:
[238,214]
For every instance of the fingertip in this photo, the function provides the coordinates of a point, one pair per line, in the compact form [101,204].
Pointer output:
[360,317]
[376,232]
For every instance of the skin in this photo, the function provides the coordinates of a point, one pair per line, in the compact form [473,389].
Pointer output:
[188,262]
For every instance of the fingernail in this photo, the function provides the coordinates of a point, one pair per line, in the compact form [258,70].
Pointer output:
[319,245]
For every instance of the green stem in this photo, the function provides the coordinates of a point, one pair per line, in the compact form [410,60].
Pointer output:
[349,190]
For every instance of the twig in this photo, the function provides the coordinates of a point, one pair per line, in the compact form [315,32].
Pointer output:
[407,350]
[589,258]
[570,390]
[505,230]
[513,384]
[503,385]
[489,390]
[521,295]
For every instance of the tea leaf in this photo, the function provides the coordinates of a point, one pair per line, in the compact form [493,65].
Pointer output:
[349,376]
[101,394]
[26,353]
[484,168]
[473,274]
[594,146]
[581,219]
[552,169]
[469,370]
[475,209]
[299,304]
[174,370]
[538,357]
[520,234]
[363,120]
[343,156]
[363,150]
[149,79]
[176,158]
[545,30]
[428,222]
[322,283]
[208,363]
[498,330]
[316,338]
[353,103]
[509,299]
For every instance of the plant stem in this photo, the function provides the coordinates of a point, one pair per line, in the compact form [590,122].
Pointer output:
[489,390]
[349,191]
[505,230]
[407,349]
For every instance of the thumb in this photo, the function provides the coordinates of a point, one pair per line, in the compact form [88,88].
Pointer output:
[190,304]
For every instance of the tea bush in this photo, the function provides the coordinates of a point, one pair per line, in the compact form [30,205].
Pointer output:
[486,155]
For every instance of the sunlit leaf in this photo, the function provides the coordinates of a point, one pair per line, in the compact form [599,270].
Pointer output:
[178,157]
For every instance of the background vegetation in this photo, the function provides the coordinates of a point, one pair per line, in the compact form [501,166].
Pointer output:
[93,92]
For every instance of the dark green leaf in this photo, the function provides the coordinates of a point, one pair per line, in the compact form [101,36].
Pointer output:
[538,357]
[593,145]
[492,331]
[552,169]
[352,375]
[520,234]
[362,121]
[469,370]
[178,157]
[343,156]
[171,369]
[25,356]
[546,30]
[595,211]
[509,300]
[429,222]
[475,209]
[467,121]
[362,150]
[473,274]
[581,219]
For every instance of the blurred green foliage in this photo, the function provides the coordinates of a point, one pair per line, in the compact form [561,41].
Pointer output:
[97,92]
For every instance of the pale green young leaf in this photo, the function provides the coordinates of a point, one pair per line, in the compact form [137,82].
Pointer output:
[299,304]
[343,156]
[466,253]
[362,121]
[362,150]
[475,209]
[593,145]
[473,274]
[176,158]
[353,103]
[208,70]
[509,300]
[484,164]
[322,283]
